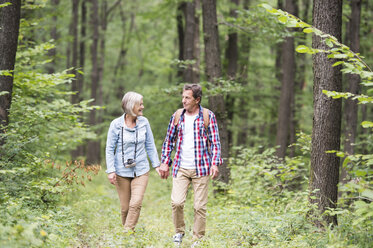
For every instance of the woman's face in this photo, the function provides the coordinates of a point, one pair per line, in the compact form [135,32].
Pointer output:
[137,110]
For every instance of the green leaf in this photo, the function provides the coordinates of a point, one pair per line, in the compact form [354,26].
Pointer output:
[302,49]
[5,4]
[2,93]
[367,193]
[338,63]
[282,19]
[360,173]
[367,124]
[308,30]
[329,43]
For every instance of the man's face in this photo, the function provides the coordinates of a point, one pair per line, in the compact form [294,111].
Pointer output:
[189,102]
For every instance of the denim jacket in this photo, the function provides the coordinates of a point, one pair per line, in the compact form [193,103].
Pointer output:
[145,147]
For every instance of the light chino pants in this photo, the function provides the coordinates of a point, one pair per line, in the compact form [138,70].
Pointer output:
[178,196]
[131,193]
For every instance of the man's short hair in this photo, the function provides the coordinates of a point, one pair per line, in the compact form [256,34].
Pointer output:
[196,89]
[130,99]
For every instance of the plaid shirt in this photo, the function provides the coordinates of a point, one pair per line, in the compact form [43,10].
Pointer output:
[204,158]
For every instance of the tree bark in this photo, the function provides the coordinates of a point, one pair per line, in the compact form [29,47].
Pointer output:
[54,35]
[327,16]
[213,72]
[351,106]
[9,30]
[74,58]
[180,35]
[287,89]
[231,54]
[93,153]
[244,72]
[79,151]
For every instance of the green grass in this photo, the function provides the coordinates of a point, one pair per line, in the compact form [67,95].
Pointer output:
[264,222]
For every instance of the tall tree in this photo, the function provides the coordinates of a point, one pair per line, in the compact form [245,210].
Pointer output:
[54,35]
[324,174]
[9,29]
[180,34]
[213,73]
[74,57]
[244,72]
[231,54]
[285,107]
[351,106]
[93,152]
[191,41]
[79,151]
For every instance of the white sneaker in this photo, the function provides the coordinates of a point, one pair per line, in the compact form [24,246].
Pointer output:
[195,244]
[178,238]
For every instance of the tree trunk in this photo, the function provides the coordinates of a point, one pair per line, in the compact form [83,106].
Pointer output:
[79,151]
[244,72]
[299,83]
[231,54]
[324,173]
[287,89]
[93,153]
[351,106]
[9,30]
[213,72]
[180,35]
[54,35]
[74,58]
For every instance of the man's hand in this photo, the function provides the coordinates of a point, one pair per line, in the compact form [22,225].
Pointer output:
[163,171]
[112,178]
[214,172]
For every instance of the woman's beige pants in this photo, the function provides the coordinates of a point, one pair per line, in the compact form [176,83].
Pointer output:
[131,193]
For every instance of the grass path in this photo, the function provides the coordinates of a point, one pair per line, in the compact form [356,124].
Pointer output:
[264,222]
[99,217]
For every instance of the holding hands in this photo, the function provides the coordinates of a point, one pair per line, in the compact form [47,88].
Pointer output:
[163,171]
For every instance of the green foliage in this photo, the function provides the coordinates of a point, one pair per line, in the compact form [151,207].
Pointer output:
[358,191]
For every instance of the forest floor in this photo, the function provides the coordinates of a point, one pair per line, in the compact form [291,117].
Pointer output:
[262,222]
[100,224]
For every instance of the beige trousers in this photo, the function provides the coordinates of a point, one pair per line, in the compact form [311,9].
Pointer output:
[178,196]
[131,193]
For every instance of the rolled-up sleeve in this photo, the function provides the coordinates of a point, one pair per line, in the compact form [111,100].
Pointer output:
[111,142]
[151,150]
[214,138]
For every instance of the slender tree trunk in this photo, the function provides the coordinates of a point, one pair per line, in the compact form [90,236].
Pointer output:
[213,72]
[9,30]
[54,35]
[243,113]
[74,58]
[180,34]
[327,16]
[351,106]
[93,153]
[196,49]
[79,151]
[287,89]
[301,60]
[231,54]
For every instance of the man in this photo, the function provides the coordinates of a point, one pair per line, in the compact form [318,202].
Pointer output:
[194,130]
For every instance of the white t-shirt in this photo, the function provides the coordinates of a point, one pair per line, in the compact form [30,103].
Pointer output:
[187,147]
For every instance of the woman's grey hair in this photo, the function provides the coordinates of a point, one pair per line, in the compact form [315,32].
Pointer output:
[130,99]
[196,89]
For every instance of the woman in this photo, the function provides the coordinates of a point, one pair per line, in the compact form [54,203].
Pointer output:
[129,141]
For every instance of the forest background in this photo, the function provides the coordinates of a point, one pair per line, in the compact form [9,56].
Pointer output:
[75,60]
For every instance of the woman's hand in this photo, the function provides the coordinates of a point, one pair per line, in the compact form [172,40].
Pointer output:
[163,171]
[112,178]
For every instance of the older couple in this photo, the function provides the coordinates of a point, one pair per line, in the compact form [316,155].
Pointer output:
[192,131]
